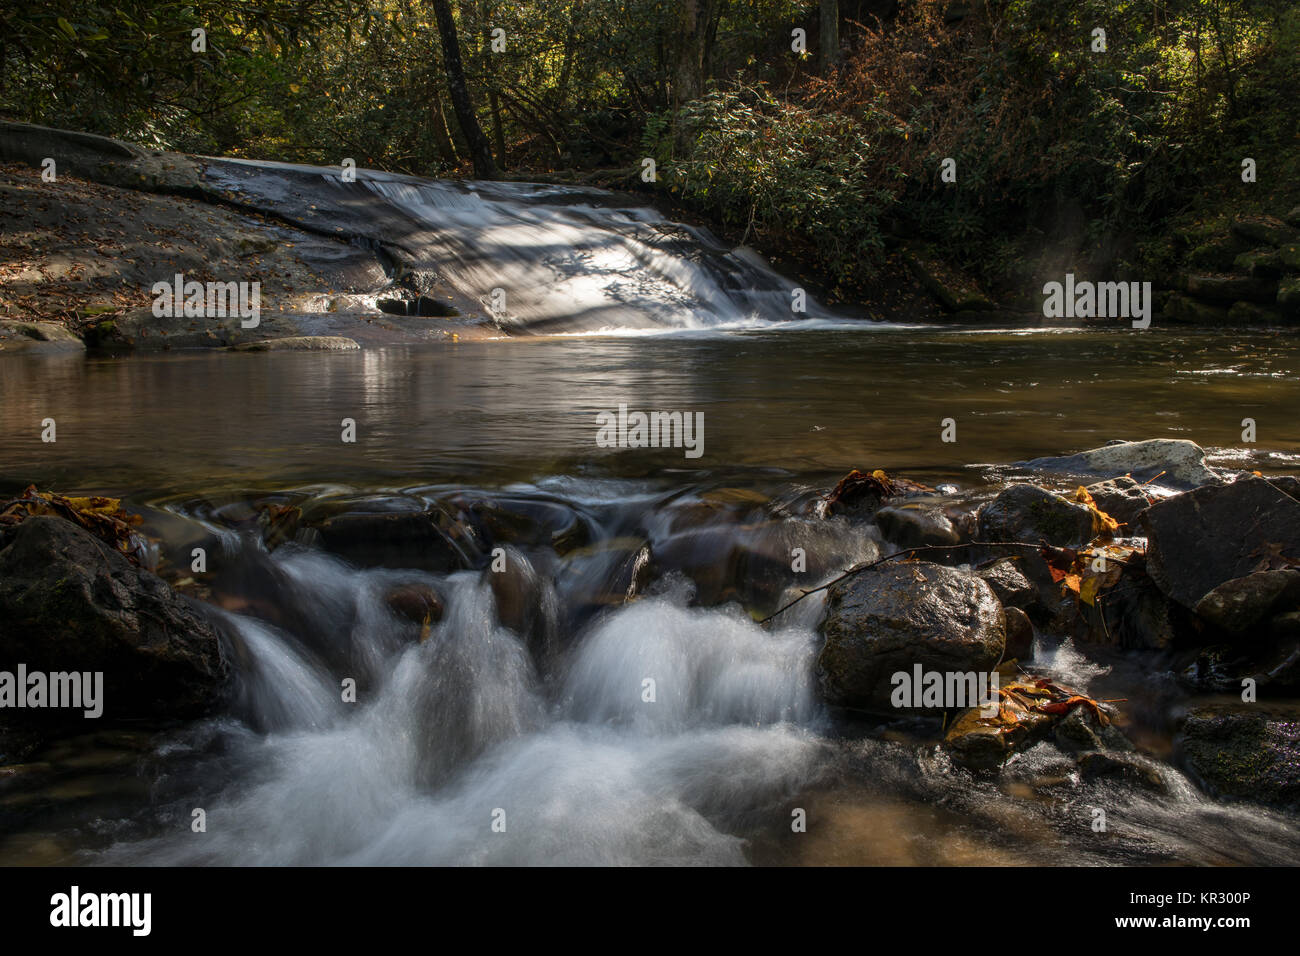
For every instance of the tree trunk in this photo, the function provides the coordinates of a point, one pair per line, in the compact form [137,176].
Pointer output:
[480,151]
[830,35]
[693,17]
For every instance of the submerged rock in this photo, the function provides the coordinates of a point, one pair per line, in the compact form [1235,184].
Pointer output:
[426,540]
[418,603]
[1029,514]
[69,602]
[1126,767]
[1179,463]
[1243,751]
[892,617]
[915,525]
[1199,540]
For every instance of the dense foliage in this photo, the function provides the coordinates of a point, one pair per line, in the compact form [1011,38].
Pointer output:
[1056,143]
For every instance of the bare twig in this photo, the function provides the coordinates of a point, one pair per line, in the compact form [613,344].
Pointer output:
[921,549]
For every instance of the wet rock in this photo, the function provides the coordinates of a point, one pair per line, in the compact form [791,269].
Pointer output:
[1126,767]
[1080,730]
[1010,585]
[979,742]
[425,305]
[1204,538]
[1243,751]
[1122,498]
[1179,463]
[1020,635]
[1287,484]
[69,602]
[39,337]
[1243,603]
[895,616]
[418,603]
[426,540]
[526,522]
[300,343]
[915,525]
[521,599]
[1030,514]
[605,575]
[859,495]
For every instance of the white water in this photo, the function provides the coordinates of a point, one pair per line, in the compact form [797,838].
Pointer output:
[570,260]
[461,727]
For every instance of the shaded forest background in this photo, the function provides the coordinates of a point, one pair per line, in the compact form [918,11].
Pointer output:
[1125,158]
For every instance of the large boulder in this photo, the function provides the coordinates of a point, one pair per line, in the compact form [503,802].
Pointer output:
[1178,463]
[1243,751]
[1029,514]
[70,602]
[1201,539]
[893,617]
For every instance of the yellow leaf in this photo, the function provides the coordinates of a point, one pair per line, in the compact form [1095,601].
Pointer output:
[1088,590]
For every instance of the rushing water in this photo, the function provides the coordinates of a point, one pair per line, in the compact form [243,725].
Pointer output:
[465,728]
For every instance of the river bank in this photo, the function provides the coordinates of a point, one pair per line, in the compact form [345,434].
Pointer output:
[341,266]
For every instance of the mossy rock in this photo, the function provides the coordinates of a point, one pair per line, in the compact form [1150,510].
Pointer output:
[1260,263]
[1265,229]
[1289,256]
[1218,253]
[1243,751]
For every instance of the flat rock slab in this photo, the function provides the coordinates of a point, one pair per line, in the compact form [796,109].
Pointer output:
[301,343]
[1198,540]
[1179,463]
[38,336]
